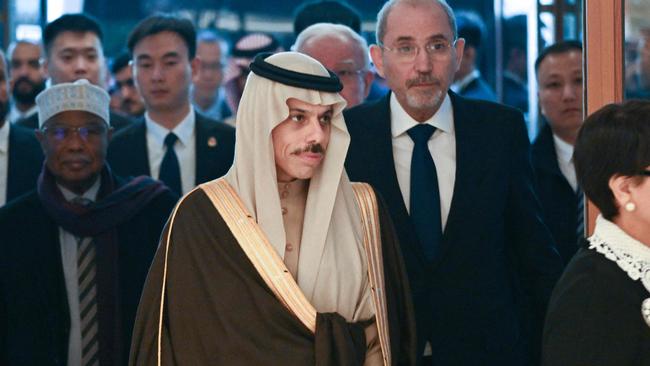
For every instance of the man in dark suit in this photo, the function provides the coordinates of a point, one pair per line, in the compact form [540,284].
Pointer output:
[20,155]
[76,250]
[468,80]
[559,79]
[73,51]
[172,142]
[480,262]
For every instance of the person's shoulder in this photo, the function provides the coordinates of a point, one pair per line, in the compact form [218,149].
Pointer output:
[20,210]
[119,121]
[30,122]
[590,272]
[213,124]
[484,108]
[164,201]
[125,139]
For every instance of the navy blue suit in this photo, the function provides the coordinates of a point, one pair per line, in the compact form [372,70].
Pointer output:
[559,201]
[478,89]
[481,301]
[25,160]
[215,149]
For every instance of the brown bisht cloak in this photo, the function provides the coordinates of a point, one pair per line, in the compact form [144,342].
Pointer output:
[219,311]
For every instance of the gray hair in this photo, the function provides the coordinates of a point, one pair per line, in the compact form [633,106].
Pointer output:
[382,16]
[330,29]
[211,37]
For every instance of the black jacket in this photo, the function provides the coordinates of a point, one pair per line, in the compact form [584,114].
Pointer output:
[477,301]
[215,149]
[558,199]
[34,313]
[25,160]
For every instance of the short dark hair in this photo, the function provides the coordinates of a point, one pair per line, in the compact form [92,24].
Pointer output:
[556,49]
[325,12]
[615,140]
[470,27]
[80,23]
[164,23]
[120,61]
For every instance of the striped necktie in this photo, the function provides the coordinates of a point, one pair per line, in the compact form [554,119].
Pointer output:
[580,214]
[86,276]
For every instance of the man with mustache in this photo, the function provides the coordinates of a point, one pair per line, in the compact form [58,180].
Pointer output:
[270,265]
[76,250]
[457,179]
[172,142]
[559,80]
[130,100]
[27,78]
[20,156]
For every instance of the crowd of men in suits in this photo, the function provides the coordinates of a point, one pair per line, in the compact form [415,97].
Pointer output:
[456,175]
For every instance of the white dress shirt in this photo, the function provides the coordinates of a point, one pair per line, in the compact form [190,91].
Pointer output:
[564,152]
[4,161]
[442,146]
[457,86]
[15,114]
[185,148]
[69,260]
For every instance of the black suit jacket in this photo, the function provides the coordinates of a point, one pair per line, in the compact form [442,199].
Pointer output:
[118,121]
[594,317]
[25,160]
[477,300]
[34,313]
[128,155]
[559,201]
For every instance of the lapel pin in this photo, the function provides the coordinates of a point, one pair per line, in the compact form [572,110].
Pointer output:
[212,141]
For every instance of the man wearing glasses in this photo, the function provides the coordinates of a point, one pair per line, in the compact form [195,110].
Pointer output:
[456,176]
[344,52]
[75,252]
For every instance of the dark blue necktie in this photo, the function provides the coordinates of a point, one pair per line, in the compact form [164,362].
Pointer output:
[170,171]
[425,197]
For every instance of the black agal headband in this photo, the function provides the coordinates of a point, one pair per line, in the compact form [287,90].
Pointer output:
[269,71]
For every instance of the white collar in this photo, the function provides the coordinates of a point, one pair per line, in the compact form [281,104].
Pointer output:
[401,121]
[4,137]
[462,83]
[15,114]
[616,245]
[184,130]
[90,194]
[563,149]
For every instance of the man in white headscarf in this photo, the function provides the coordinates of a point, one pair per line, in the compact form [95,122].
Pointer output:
[282,261]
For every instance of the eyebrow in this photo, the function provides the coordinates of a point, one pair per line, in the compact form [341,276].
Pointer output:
[430,38]
[82,49]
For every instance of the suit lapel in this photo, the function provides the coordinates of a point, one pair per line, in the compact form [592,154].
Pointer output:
[52,283]
[206,149]
[470,165]
[382,146]
[140,157]
[544,156]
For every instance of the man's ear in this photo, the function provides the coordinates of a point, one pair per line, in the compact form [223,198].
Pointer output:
[194,66]
[368,77]
[376,54]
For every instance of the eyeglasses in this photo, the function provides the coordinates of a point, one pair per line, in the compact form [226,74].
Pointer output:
[60,133]
[348,74]
[407,52]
